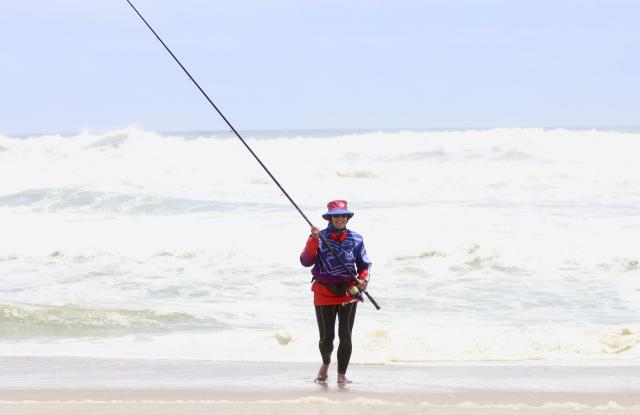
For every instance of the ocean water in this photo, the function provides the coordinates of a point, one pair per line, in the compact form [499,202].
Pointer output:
[514,245]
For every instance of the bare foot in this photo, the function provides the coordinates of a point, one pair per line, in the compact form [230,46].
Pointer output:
[322,374]
[342,379]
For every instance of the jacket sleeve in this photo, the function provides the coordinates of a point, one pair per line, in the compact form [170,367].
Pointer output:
[310,252]
[363,263]
[364,274]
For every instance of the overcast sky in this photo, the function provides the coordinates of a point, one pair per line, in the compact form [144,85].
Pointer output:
[69,65]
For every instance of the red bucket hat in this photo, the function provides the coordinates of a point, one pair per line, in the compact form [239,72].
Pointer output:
[337,207]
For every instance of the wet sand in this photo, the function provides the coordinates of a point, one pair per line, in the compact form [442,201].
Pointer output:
[109,386]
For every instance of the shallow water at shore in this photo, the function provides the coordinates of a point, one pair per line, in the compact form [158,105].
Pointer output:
[107,386]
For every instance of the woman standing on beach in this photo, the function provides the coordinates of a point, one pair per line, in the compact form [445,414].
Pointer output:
[332,283]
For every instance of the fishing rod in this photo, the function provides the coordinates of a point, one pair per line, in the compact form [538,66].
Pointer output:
[250,150]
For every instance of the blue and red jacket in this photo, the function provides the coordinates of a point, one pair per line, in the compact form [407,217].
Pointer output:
[349,245]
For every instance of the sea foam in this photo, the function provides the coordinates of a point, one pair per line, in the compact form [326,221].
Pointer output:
[504,244]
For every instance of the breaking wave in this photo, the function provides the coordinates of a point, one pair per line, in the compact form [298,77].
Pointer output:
[28,320]
[76,200]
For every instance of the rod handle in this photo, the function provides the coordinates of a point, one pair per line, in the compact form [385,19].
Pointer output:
[372,301]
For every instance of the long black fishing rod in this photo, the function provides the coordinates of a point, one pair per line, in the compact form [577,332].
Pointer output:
[248,148]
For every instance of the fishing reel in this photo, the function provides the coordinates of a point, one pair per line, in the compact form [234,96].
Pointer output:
[355,293]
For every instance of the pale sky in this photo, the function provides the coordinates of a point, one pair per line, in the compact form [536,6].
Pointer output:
[71,65]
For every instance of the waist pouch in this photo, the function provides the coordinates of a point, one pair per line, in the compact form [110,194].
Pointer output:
[339,289]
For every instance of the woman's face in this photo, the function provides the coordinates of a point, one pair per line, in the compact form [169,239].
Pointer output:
[339,221]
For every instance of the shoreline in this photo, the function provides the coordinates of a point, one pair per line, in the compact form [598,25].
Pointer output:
[58,372]
[190,402]
[64,385]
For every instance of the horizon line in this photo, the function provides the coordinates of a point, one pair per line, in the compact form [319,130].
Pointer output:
[622,128]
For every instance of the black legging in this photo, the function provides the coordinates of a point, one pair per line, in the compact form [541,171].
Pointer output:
[326,316]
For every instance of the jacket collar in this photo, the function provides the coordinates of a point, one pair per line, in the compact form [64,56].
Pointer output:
[337,235]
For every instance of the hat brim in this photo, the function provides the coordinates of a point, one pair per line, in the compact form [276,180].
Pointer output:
[330,213]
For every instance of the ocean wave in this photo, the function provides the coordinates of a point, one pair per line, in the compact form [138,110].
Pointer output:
[480,263]
[407,405]
[358,174]
[422,198]
[624,264]
[512,155]
[500,345]
[57,200]
[113,140]
[31,320]
[474,260]
[553,406]
[418,156]
[422,255]
[407,165]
